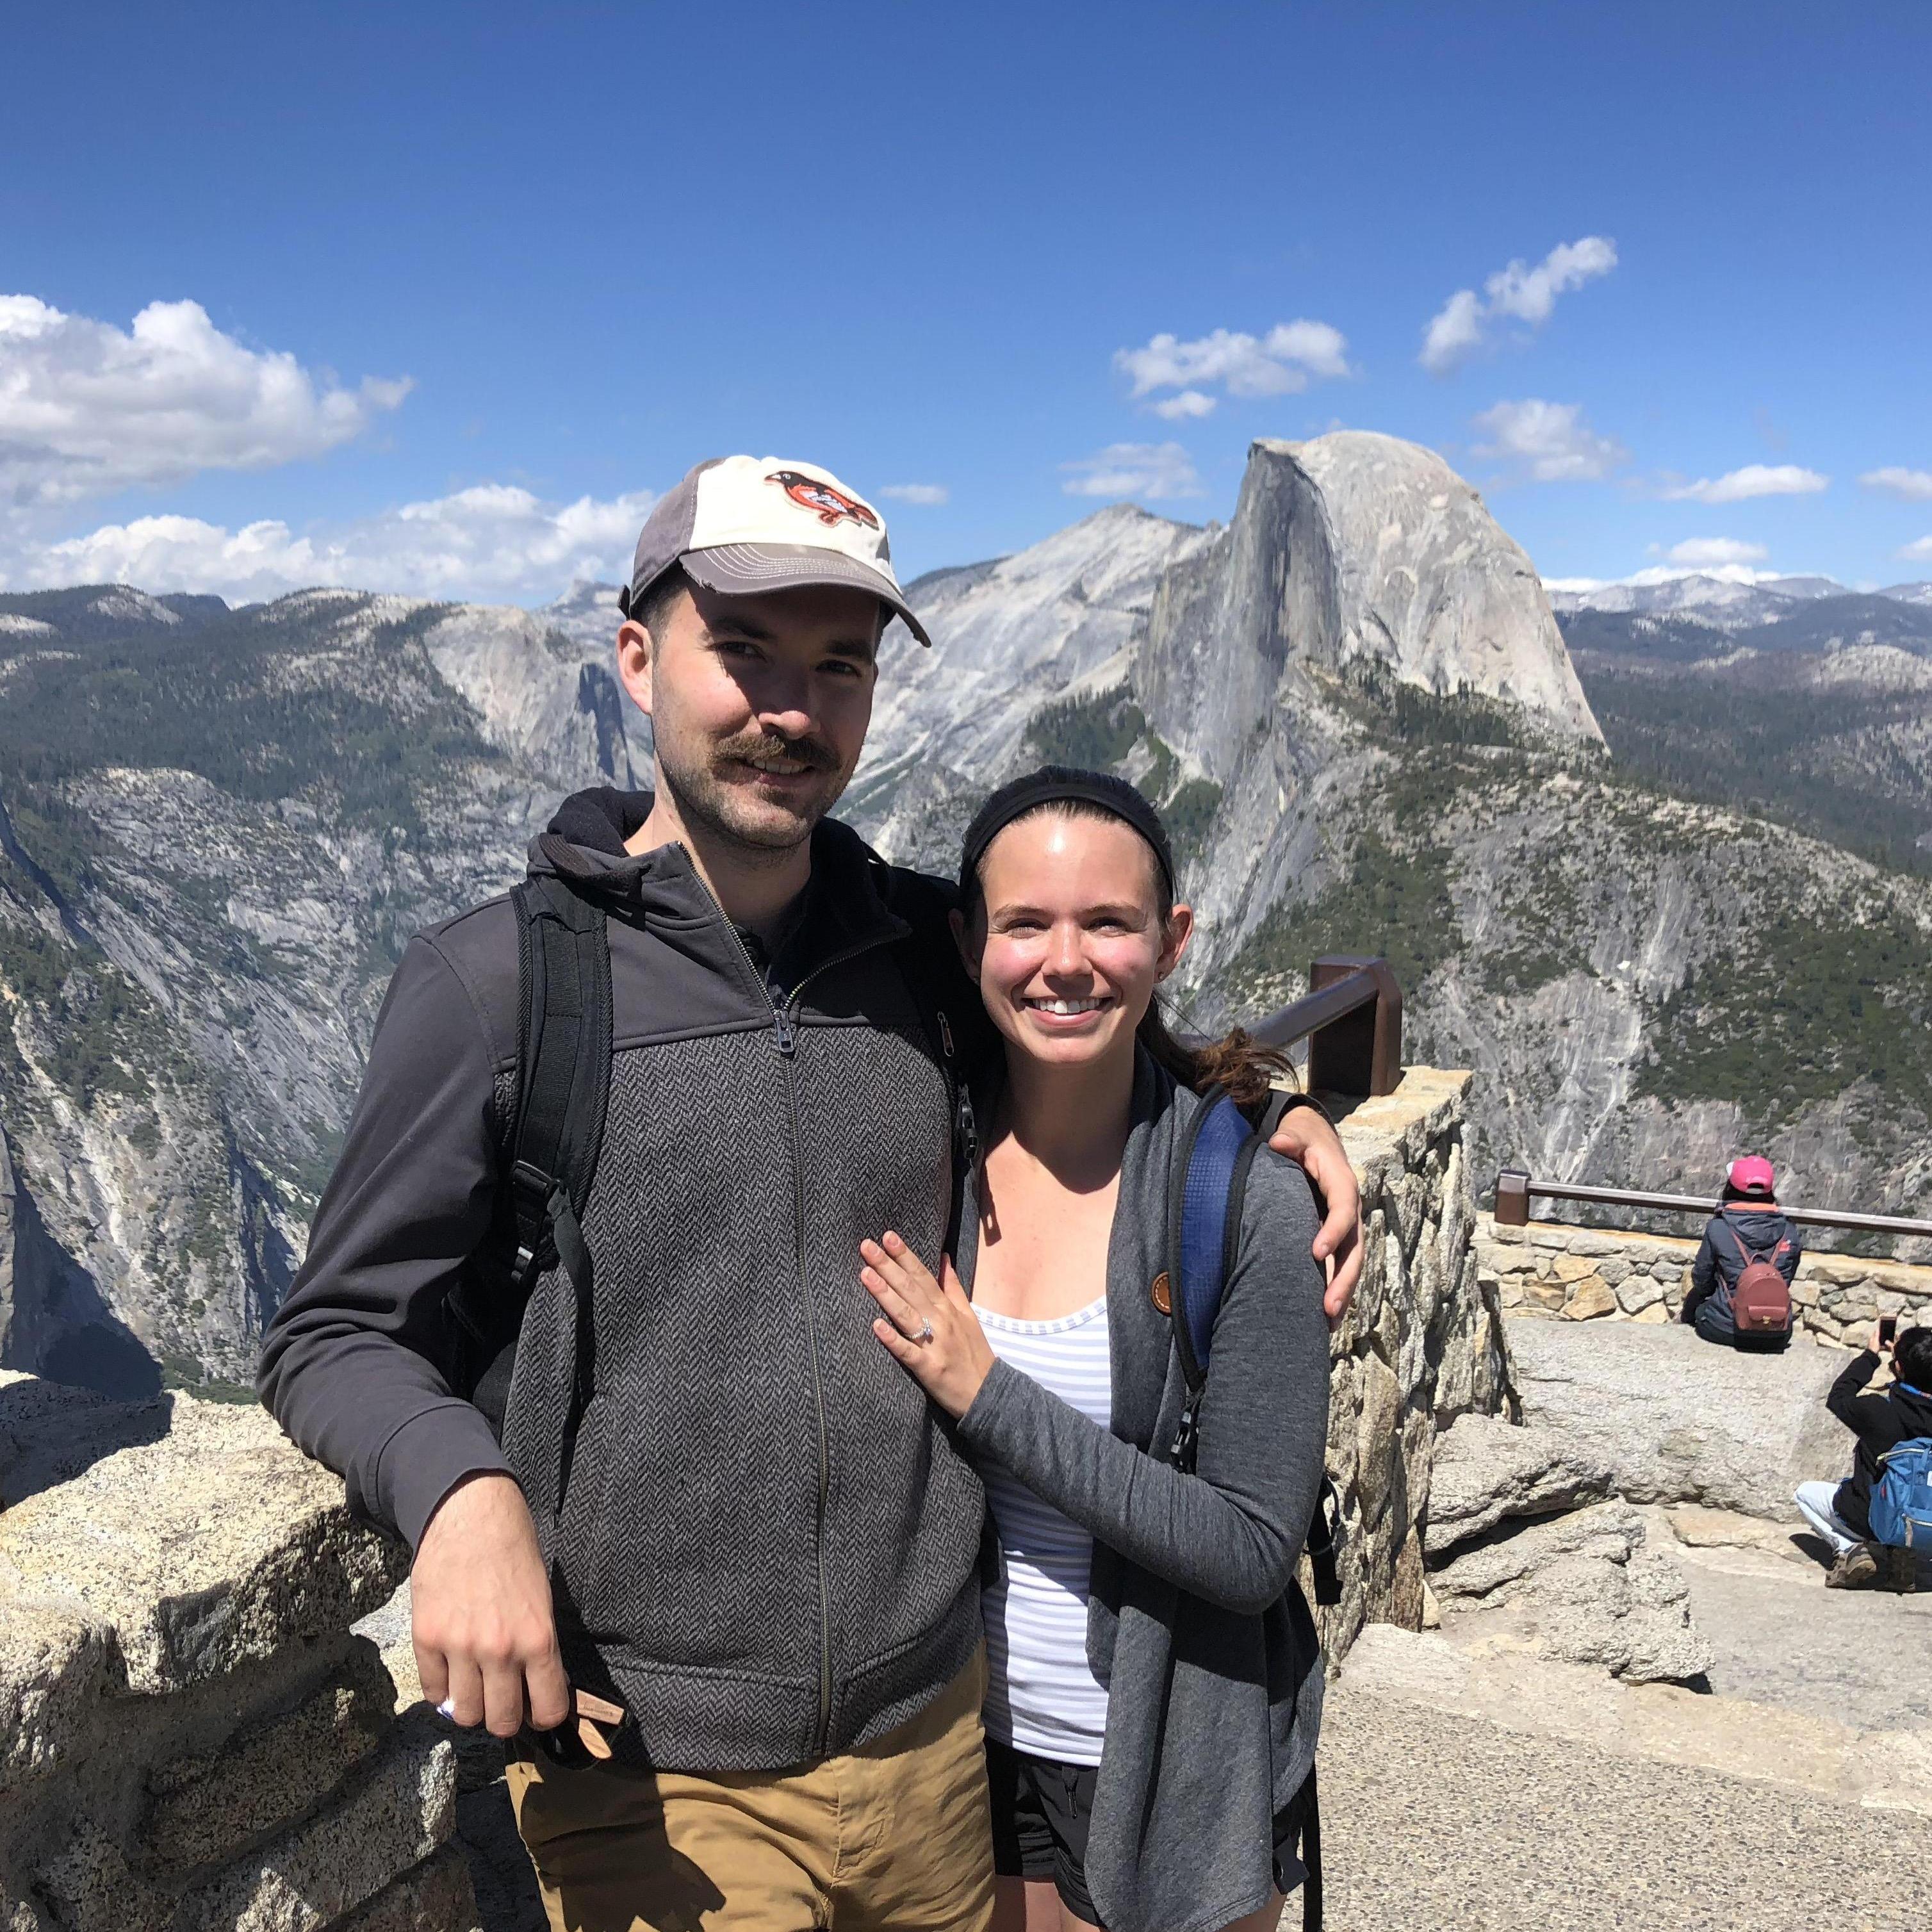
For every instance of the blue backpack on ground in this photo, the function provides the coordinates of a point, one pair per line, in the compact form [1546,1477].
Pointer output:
[1901,1498]
[1204,1236]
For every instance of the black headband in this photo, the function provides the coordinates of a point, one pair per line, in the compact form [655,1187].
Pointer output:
[1050,785]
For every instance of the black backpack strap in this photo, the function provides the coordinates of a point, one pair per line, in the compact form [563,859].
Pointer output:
[1311,1855]
[563,1096]
[563,1088]
[949,1033]
[1323,1530]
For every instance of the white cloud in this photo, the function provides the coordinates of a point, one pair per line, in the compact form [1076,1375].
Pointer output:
[86,408]
[1454,333]
[1914,485]
[1280,363]
[1698,553]
[1154,470]
[493,541]
[1530,294]
[1754,479]
[924,494]
[1918,549]
[1189,402]
[1457,329]
[1551,441]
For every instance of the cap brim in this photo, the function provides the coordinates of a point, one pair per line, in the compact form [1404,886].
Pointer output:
[751,570]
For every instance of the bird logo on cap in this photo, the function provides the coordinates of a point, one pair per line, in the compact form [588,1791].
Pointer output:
[831,505]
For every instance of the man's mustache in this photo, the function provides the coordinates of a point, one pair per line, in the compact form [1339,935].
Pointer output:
[771,745]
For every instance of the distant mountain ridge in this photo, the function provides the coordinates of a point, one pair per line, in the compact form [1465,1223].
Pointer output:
[1724,602]
[1353,702]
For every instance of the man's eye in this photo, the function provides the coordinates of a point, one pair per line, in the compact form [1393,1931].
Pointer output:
[734,647]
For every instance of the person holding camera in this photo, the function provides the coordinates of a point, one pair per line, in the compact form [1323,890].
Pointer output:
[1882,1420]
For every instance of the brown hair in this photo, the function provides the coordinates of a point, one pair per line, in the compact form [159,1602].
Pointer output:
[1236,1064]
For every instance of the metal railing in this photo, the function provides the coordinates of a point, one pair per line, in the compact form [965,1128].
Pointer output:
[1514,1188]
[1351,1019]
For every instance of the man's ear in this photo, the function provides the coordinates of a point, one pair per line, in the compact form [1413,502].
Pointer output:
[962,938]
[636,653]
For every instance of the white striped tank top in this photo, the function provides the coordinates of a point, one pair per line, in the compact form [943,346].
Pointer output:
[1041,1696]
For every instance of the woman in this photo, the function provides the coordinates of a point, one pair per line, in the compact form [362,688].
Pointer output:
[1154,1678]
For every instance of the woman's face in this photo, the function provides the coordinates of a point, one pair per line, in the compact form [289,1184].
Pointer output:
[1070,944]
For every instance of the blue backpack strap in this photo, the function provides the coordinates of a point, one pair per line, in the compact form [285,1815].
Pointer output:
[1204,1237]
[1203,1234]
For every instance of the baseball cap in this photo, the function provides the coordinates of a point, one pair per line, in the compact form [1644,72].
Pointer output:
[746,524]
[1751,1174]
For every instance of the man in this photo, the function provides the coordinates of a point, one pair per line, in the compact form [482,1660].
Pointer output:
[718,1506]
[1749,1226]
[1881,1419]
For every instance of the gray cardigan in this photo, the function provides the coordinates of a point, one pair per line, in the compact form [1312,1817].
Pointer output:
[1194,1621]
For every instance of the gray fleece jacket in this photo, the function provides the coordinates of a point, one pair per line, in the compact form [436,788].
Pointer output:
[1195,1622]
[767,1548]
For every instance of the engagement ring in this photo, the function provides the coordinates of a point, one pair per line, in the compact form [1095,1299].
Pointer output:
[924,1332]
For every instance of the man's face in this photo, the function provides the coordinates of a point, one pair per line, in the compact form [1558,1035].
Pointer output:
[758,705]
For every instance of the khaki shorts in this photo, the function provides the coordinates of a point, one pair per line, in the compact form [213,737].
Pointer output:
[897,1835]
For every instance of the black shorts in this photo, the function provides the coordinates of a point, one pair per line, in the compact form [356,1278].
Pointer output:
[1041,1813]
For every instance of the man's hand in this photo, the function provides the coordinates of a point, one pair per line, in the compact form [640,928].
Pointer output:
[485,1638]
[1306,1137]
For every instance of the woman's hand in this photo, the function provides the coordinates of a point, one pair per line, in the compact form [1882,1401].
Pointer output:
[932,1330]
[1306,1137]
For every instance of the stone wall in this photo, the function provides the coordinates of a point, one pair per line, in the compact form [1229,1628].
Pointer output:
[190,1735]
[1421,1344]
[1581,1274]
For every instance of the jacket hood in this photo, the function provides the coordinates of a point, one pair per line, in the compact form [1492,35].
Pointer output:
[583,845]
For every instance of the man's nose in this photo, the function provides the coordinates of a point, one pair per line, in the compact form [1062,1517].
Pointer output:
[784,706]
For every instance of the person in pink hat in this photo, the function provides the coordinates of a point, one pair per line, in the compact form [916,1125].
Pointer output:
[1749,1231]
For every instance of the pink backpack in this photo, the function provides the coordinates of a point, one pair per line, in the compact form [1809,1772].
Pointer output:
[1761,1302]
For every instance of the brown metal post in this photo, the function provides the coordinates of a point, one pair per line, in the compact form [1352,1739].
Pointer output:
[1361,1052]
[1512,1197]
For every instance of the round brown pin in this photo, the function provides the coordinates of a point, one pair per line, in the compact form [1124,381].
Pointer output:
[1162,1294]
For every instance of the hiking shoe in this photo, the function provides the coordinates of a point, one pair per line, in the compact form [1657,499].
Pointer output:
[1856,1569]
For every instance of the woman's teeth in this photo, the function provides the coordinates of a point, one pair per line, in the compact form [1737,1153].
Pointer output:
[1066,1007]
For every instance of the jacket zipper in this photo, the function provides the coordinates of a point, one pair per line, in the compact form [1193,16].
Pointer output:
[784,1037]
[785,1032]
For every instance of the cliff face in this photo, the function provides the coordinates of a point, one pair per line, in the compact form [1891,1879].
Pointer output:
[1010,637]
[1428,584]
[1358,710]
[218,829]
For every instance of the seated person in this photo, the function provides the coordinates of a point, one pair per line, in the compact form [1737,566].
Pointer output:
[1840,1512]
[1749,1226]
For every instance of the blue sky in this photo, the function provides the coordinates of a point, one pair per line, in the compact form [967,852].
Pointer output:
[513,269]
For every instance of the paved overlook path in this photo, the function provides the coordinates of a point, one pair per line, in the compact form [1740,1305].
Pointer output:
[1470,1783]
[1467,1783]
